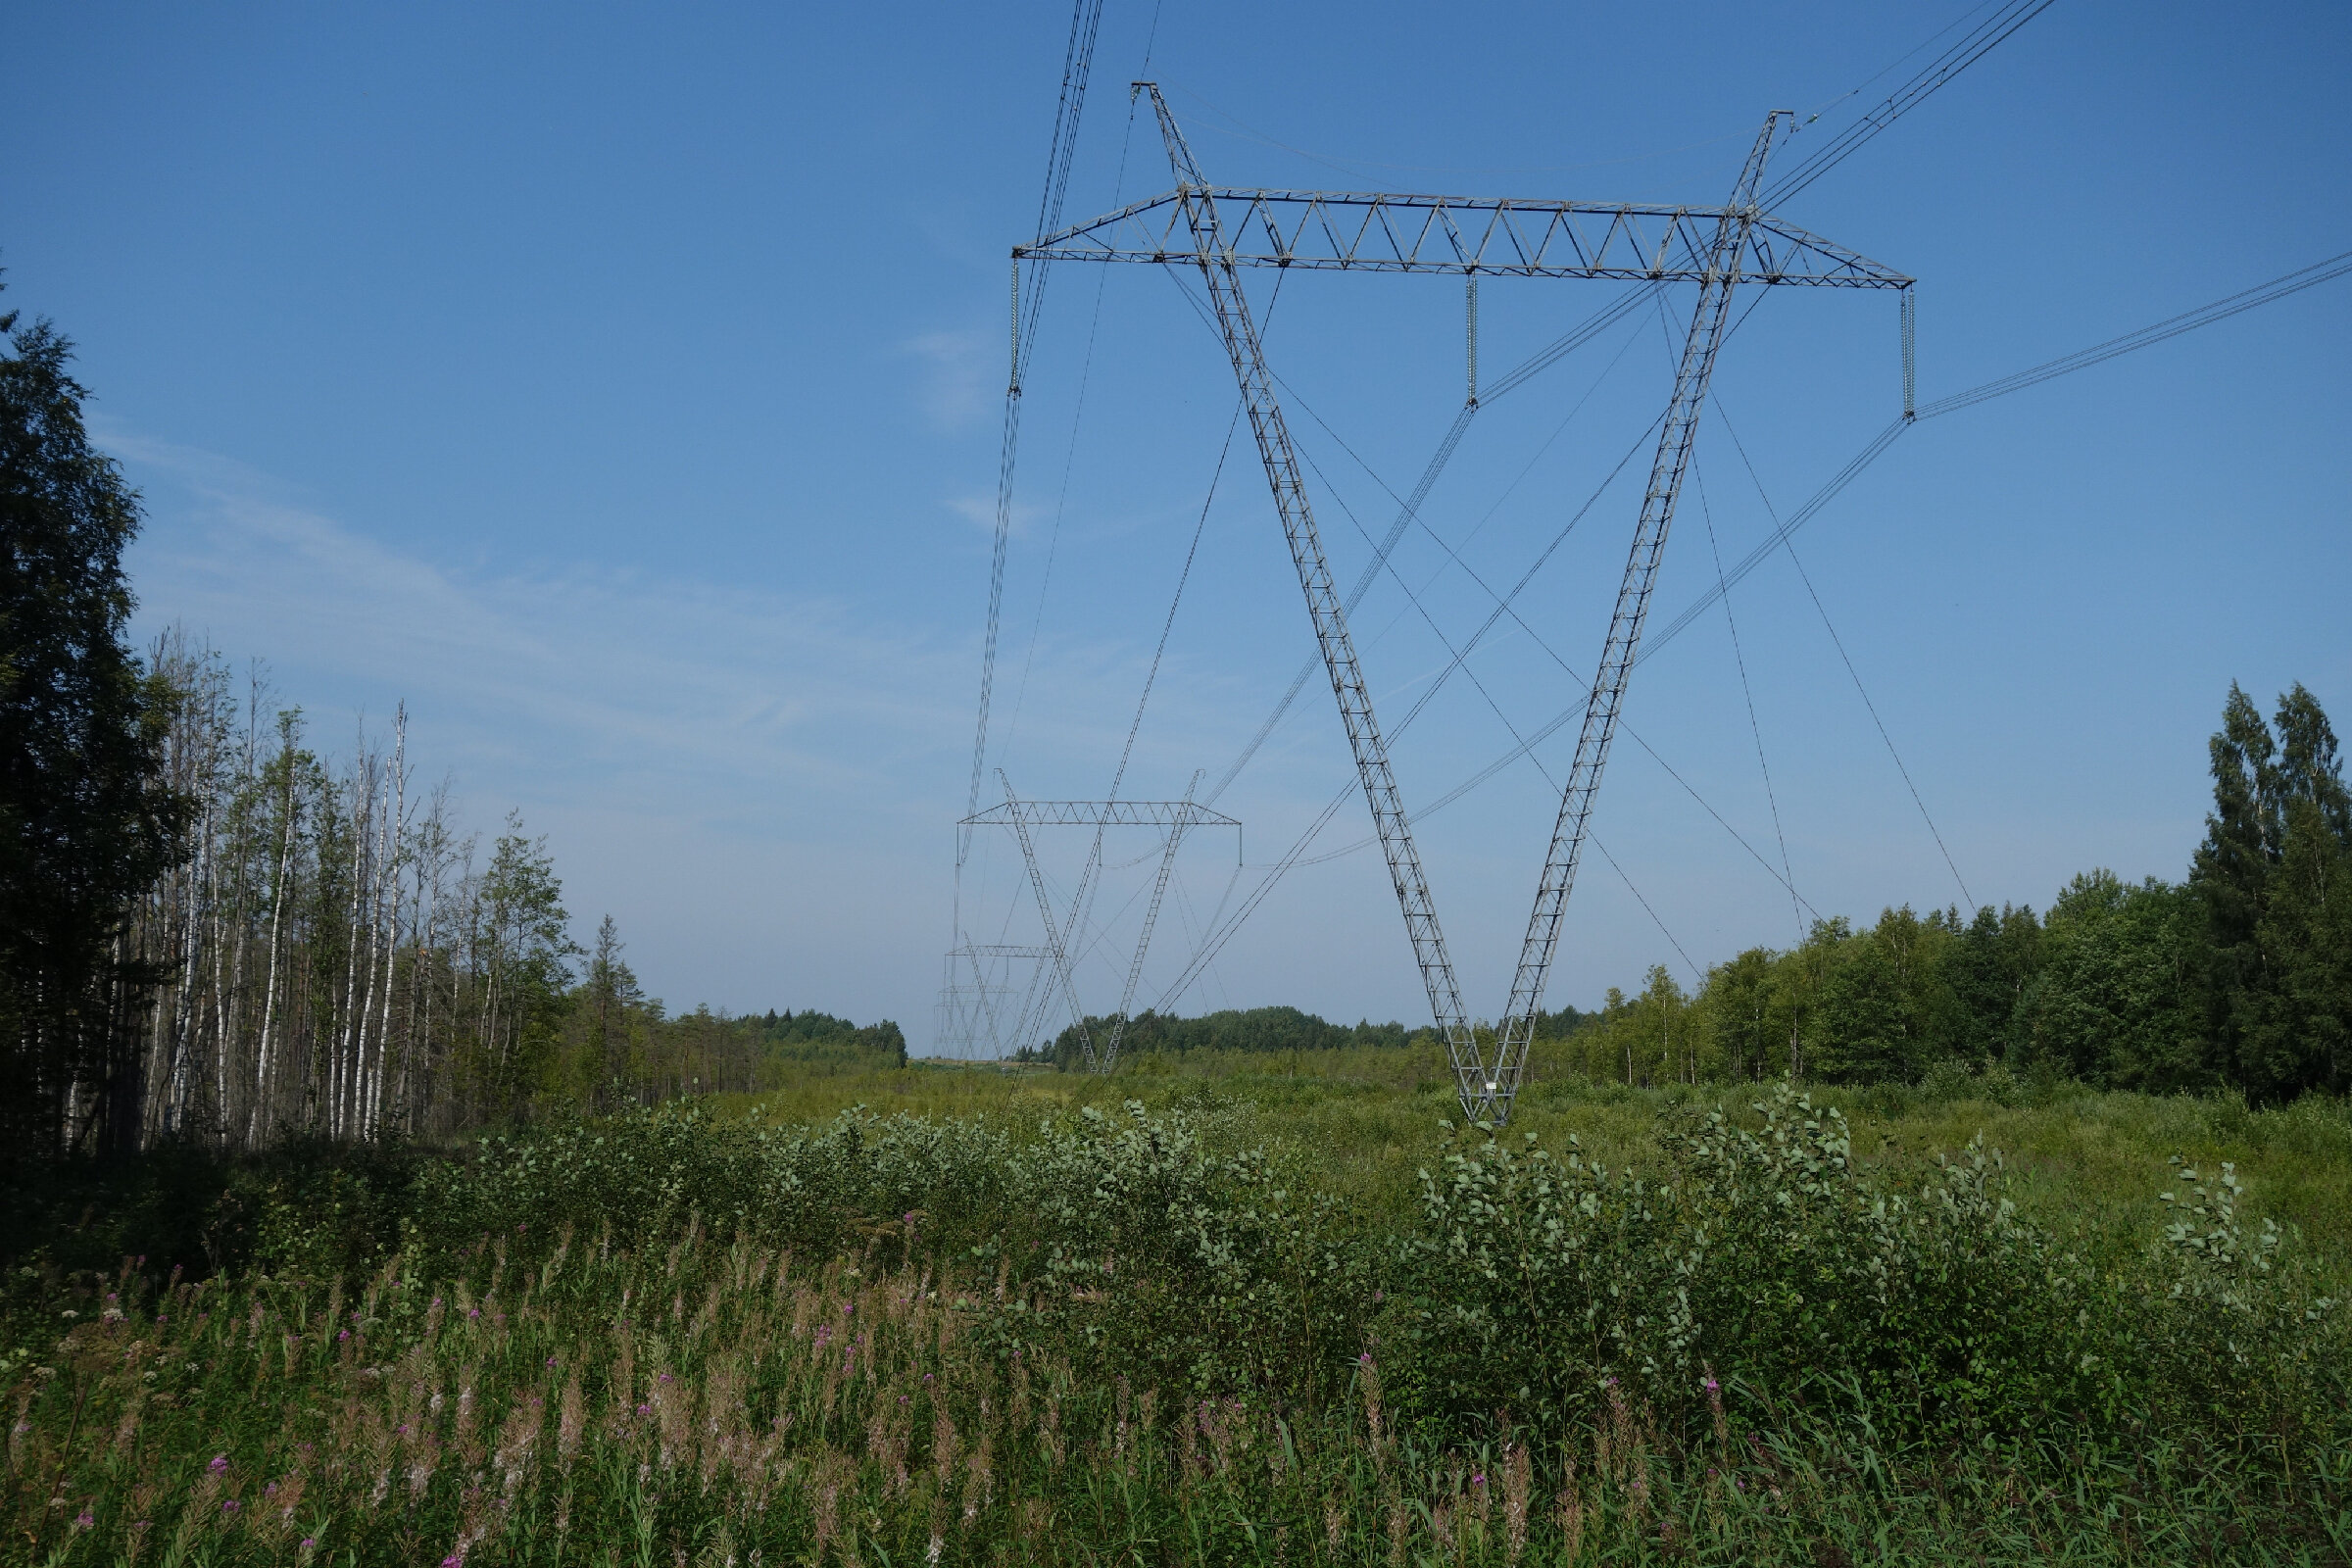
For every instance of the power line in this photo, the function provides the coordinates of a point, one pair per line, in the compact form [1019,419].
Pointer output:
[1880,724]
[2221,310]
[1971,48]
[2278,288]
[1747,694]
[1077,67]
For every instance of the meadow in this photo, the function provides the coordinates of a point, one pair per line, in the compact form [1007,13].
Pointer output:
[1207,1310]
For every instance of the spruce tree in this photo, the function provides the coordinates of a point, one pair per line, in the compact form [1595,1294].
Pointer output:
[85,822]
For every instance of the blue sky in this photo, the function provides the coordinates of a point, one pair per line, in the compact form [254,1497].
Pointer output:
[620,387]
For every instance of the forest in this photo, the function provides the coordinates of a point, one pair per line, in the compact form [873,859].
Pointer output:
[331,952]
[2238,976]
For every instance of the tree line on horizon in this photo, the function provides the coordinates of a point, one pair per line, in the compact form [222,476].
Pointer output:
[2238,976]
[209,931]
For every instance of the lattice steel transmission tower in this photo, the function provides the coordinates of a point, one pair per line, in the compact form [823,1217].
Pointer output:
[969,1018]
[1222,230]
[1178,817]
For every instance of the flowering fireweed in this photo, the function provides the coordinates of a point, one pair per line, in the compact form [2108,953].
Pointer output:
[871,1342]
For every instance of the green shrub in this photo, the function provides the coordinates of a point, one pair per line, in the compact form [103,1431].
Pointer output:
[1765,1259]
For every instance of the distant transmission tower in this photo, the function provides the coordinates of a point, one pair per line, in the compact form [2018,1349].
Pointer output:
[969,1017]
[1221,230]
[1179,817]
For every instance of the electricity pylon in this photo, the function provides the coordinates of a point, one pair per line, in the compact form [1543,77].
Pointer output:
[1222,229]
[968,1021]
[1177,816]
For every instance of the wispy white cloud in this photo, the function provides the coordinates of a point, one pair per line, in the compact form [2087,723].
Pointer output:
[960,370]
[626,672]
[981,513]
[761,786]
[586,679]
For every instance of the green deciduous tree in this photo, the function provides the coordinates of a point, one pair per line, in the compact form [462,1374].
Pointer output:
[2112,1001]
[2272,877]
[523,951]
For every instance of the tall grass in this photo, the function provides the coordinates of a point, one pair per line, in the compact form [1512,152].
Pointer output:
[713,1402]
[1047,1330]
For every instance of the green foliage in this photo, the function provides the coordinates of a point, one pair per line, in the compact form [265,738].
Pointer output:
[86,821]
[1256,1029]
[613,1045]
[522,951]
[2274,874]
[1139,1334]
[2241,975]
[2113,997]
[1762,1258]
[2236,1323]
[310,1205]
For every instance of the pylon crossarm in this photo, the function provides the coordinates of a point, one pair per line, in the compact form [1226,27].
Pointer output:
[1379,232]
[1101,814]
[1206,247]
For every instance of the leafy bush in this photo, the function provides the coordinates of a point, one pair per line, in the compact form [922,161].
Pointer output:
[2236,1337]
[1765,1259]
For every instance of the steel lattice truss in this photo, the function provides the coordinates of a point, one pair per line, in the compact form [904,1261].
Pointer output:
[1221,229]
[1100,813]
[1502,236]
[1178,817]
